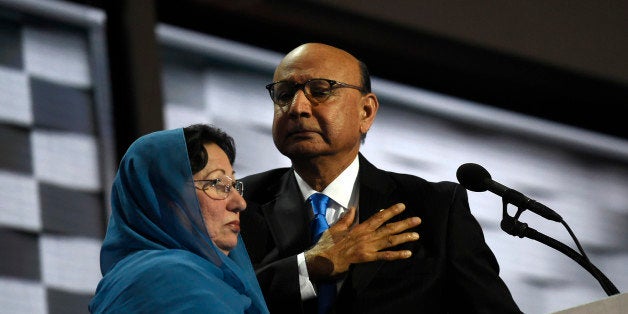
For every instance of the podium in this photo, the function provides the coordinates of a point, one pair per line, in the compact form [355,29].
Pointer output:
[615,304]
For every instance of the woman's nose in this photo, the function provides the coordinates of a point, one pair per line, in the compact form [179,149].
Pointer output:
[236,202]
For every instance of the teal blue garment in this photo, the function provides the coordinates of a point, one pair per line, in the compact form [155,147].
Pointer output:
[157,256]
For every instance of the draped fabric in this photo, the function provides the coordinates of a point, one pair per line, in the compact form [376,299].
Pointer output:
[157,256]
[326,291]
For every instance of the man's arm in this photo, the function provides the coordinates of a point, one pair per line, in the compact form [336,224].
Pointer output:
[475,271]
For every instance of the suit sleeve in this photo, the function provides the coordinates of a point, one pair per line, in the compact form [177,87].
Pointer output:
[277,274]
[475,270]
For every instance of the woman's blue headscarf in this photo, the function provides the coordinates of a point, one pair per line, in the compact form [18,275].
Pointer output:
[157,256]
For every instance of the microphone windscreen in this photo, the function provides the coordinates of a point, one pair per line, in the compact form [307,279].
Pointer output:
[473,177]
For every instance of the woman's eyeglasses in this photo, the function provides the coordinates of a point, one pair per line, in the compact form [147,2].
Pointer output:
[219,188]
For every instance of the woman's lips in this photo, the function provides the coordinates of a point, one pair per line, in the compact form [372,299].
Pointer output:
[234,225]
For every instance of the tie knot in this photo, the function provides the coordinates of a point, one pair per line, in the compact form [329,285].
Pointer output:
[319,203]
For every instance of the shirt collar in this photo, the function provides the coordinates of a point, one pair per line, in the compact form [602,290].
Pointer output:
[338,190]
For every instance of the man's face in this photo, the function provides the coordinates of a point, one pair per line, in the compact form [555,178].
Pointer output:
[305,128]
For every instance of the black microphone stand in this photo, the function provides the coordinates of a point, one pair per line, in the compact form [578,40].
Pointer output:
[514,227]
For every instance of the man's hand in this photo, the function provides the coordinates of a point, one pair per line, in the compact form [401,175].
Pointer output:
[342,245]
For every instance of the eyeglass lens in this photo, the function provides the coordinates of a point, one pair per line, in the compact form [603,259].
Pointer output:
[219,188]
[316,90]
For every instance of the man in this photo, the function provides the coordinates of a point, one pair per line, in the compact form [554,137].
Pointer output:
[372,252]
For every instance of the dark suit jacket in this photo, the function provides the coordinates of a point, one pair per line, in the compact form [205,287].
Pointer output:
[452,270]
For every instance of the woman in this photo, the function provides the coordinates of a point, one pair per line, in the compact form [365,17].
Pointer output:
[173,242]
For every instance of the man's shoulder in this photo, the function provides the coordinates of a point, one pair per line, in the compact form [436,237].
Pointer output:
[407,179]
[412,181]
[259,187]
[273,174]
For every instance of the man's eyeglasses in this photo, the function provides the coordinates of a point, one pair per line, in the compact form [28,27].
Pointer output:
[316,90]
[219,188]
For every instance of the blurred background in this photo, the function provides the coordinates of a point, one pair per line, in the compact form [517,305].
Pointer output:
[532,91]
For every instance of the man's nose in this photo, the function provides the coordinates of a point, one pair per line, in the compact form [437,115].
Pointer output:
[300,104]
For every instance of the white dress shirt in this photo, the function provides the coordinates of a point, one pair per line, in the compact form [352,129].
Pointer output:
[343,193]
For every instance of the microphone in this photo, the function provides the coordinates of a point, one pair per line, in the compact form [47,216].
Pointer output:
[475,178]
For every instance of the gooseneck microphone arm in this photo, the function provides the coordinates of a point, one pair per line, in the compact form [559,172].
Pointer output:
[516,228]
[475,178]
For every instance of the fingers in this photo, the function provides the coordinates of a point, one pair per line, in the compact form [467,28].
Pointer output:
[393,255]
[365,253]
[392,234]
[399,226]
[384,215]
[346,243]
[391,241]
[396,239]
[345,220]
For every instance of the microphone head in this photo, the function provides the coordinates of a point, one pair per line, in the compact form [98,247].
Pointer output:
[473,177]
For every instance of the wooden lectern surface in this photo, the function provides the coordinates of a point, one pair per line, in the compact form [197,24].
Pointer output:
[616,304]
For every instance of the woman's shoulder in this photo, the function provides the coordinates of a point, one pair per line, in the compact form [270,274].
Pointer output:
[166,263]
[166,281]
[155,273]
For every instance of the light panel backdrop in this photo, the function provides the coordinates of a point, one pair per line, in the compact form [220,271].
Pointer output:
[56,163]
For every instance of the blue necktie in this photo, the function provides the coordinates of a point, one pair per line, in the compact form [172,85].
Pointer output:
[326,291]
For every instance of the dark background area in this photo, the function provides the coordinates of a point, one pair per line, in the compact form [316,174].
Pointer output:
[560,61]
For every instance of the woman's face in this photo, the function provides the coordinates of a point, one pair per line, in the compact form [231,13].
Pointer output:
[221,210]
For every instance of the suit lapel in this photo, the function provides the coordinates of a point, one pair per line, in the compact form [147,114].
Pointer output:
[283,208]
[375,189]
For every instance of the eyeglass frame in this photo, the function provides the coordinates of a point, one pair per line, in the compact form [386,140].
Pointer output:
[213,183]
[333,84]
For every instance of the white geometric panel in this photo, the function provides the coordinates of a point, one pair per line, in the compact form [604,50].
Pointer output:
[20,296]
[183,85]
[56,55]
[229,96]
[254,146]
[66,159]
[19,201]
[15,102]
[177,116]
[71,264]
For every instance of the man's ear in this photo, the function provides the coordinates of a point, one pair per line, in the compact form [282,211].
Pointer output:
[370,105]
